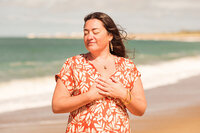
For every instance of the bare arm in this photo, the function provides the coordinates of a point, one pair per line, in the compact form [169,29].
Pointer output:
[138,104]
[62,102]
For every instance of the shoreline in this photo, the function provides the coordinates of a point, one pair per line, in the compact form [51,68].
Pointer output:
[170,109]
[27,93]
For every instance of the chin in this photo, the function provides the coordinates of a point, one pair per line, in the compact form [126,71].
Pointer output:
[92,49]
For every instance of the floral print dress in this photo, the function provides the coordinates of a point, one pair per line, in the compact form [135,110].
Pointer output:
[107,115]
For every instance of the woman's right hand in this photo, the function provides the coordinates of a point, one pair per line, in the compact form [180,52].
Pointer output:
[93,92]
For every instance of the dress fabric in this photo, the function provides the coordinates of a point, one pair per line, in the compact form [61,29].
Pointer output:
[107,115]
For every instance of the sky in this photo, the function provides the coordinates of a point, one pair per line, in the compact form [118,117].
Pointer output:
[21,17]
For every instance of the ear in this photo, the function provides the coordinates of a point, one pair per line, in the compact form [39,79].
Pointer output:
[110,36]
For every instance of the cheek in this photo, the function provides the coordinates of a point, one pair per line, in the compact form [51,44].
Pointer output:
[100,37]
[84,39]
[102,40]
[85,42]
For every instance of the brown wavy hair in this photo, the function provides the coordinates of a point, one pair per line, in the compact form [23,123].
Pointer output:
[117,32]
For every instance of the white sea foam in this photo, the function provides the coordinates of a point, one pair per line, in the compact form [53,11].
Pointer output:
[169,72]
[37,92]
[26,93]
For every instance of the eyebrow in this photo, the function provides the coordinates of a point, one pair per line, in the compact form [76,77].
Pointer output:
[92,29]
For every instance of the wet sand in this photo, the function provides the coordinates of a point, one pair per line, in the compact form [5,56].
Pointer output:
[171,109]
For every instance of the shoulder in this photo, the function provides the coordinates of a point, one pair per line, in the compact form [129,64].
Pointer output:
[129,65]
[74,59]
[126,62]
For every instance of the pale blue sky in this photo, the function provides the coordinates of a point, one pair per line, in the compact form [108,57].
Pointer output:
[20,17]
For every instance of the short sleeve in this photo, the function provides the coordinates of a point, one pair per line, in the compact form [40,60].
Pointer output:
[66,75]
[135,74]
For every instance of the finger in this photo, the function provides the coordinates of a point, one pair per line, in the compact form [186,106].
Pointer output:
[101,83]
[103,80]
[104,93]
[114,80]
[94,83]
[101,87]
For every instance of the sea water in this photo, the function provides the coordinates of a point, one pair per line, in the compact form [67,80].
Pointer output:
[28,66]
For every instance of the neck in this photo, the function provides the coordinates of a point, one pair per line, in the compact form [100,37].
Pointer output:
[101,55]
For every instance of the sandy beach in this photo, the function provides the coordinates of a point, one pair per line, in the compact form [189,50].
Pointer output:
[172,108]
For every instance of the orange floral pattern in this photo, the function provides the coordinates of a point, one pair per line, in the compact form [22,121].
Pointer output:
[105,115]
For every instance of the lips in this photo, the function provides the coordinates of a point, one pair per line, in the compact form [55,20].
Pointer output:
[91,42]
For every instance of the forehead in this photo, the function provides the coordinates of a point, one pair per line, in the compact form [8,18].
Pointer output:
[93,23]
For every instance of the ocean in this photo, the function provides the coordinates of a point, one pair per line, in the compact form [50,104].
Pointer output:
[28,66]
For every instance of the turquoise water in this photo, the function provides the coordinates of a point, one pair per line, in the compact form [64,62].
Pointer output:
[150,52]
[24,58]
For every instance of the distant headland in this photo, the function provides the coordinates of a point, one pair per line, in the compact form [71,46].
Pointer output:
[188,36]
[184,35]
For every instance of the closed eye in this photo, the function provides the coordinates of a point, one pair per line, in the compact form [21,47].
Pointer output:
[96,31]
[86,32]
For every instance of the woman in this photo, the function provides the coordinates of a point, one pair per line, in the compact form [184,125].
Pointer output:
[97,87]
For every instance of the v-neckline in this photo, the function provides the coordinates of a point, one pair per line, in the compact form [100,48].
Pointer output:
[85,56]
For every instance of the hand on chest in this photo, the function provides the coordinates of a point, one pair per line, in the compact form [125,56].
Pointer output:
[84,78]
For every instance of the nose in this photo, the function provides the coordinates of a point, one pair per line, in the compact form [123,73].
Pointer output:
[90,36]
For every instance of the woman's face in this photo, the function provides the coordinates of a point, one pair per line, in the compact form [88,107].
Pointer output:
[96,37]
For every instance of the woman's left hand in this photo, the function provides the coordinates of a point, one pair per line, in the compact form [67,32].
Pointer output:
[114,88]
[111,87]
